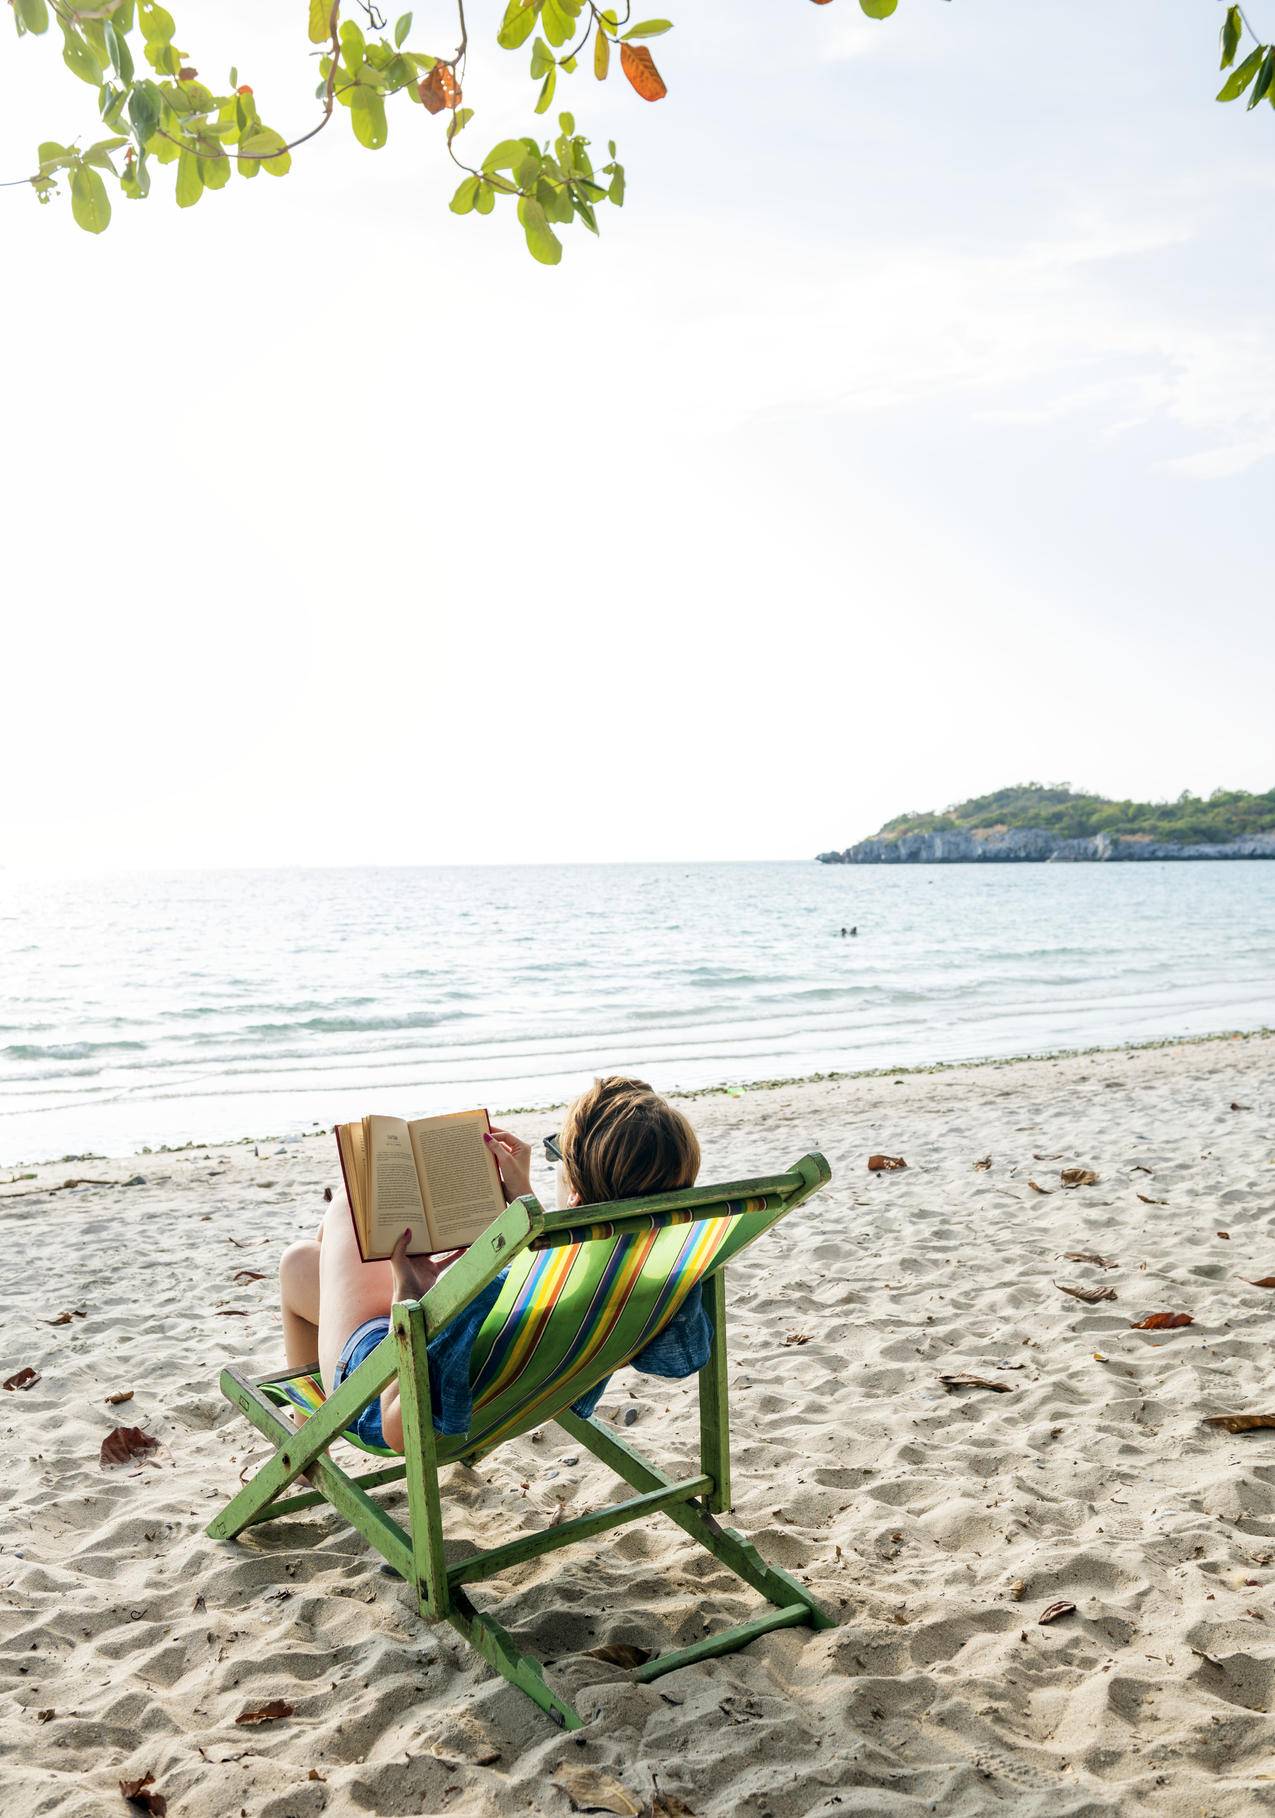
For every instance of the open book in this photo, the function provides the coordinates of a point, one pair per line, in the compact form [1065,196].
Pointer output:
[434,1176]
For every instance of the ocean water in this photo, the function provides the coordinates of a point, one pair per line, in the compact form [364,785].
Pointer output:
[159,1008]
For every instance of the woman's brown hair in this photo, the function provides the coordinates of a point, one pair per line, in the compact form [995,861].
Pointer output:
[620,1140]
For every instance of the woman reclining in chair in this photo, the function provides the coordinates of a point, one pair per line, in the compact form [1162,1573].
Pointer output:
[619,1140]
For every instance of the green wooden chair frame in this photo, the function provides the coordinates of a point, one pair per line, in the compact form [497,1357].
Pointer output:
[441,1591]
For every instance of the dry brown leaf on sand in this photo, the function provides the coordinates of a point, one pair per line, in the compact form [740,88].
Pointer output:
[123,1445]
[1090,1256]
[119,1396]
[1053,1611]
[962,1379]
[1037,1188]
[25,1378]
[885,1164]
[1240,1423]
[1092,1295]
[1162,1322]
[64,1319]
[267,1713]
[1236,1106]
[620,1653]
[639,66]
[668,1805]
[797,1338]
[141,1795]
[1225,1234]
[1263,1281]
[591,1790]
[1078,1177]
[244,1276]
[1148,1201]
[981,1167]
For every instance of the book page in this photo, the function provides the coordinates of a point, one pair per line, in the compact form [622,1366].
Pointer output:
[352,1148]
[394,1193]
[461,1180]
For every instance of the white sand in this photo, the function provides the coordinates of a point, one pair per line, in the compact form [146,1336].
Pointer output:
[913,1512]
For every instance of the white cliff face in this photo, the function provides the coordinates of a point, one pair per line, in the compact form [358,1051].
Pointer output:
[1032,845]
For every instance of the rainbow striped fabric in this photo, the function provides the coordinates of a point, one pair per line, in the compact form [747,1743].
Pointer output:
[568,1317]
[306,1392]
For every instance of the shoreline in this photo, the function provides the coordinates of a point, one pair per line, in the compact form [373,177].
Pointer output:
[728,1089]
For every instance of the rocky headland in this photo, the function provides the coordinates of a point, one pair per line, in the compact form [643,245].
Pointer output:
[1033,845]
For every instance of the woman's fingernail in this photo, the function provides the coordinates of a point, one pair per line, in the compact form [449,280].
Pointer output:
[487,1136]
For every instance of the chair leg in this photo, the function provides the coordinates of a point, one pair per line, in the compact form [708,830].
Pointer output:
[736,1553]
[424,1504]
[714,1401]
[497,1648]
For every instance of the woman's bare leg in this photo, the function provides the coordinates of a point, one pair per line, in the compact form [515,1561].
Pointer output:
[299,1297]
[350,1290]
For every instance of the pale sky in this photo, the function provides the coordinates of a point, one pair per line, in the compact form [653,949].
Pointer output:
[908,433]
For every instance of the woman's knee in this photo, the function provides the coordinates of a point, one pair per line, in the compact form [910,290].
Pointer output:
[299,1269]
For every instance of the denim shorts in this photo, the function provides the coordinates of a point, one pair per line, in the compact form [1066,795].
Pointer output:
[360,1345]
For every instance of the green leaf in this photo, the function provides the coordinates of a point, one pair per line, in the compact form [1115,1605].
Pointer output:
[258,146]
[585,211]
[1265,76]
[458,122]
[136,180]
[117,50]
[542,59]
[546,92]
[144,106]
[100,154]
[601,55]
[320,21]
[79,59]
[505,155]
[367,115]
[190,180]
[353,47]
[402,28]
[32,15]
[556,21]
[542,243]
[616,191]
[878,9]
[463,201]
[215,172]
[90,203]
[568,123]
[1239,79]
[651,28]
[519,22]
[1232,30]
[485,200]
[156,23]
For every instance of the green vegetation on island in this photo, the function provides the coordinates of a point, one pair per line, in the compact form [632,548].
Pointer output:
[1227,814]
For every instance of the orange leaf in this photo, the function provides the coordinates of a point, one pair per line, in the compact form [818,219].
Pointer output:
[885,1164]
[1162,1322]
[1241,1423]
[26,1378]
[639,66]
[440,89]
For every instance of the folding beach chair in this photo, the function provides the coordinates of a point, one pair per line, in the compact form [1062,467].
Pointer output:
[586,1290]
